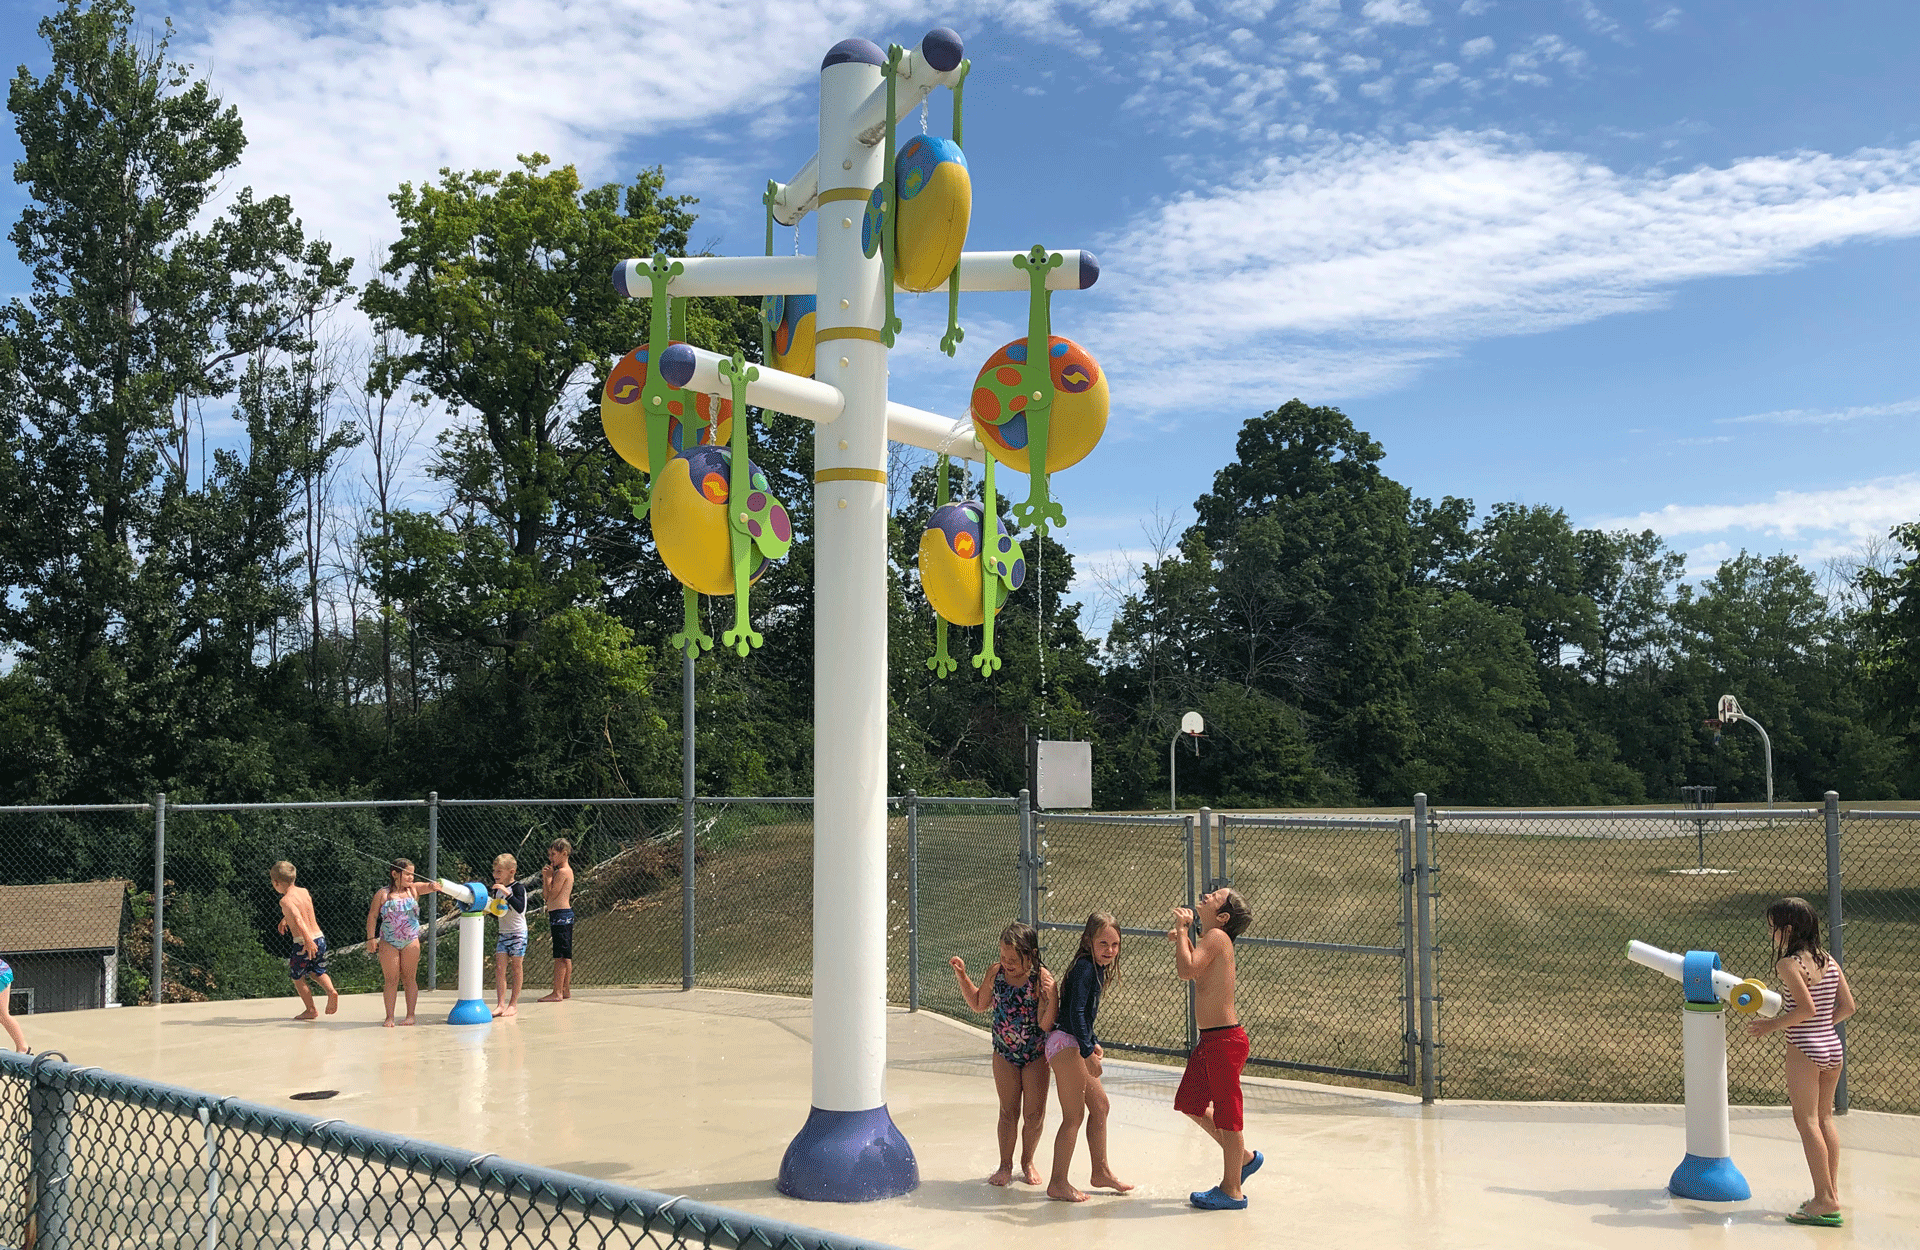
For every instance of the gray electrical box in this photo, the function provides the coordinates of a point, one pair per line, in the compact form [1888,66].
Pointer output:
[1062,775]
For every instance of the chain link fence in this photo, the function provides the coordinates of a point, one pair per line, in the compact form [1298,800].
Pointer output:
[93,1161]
[1879,946]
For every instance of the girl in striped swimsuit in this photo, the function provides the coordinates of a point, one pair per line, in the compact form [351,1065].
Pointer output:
[1817,998]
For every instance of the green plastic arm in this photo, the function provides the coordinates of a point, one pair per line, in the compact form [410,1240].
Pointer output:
[942,662]
[950,341]
[741,637]
[1037,378]
[766,331]
[990,600]
[655,394]
[892,324]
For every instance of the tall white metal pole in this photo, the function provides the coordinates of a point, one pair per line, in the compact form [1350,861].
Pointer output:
[849,1149]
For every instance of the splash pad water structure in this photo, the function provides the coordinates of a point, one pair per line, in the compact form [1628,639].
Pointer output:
[886,219]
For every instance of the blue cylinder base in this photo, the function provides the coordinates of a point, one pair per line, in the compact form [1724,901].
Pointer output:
[848,1156]
[470,1011]
[1708,1180]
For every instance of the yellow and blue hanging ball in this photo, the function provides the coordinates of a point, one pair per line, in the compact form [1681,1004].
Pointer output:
[793,334]
[1079,405]
[690,519]
[950,562]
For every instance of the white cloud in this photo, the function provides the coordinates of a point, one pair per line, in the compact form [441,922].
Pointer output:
[1475,8]
[1822,416]
[1396,12]
[1667,20]
[1863,510]
[1474,48]
[1342,271]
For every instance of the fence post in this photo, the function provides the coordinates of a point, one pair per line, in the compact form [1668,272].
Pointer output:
[157,994]
[687,870]
[433,874]
[1205,834]
[1423,904]
[50,1166]
[1029,863]
[913,902]
[1836,927]
[1193,1024]
[210,1160]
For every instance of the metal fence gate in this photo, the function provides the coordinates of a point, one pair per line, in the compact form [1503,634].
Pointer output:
[1328,977]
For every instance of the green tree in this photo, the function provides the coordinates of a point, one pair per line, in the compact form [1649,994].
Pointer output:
[140,584]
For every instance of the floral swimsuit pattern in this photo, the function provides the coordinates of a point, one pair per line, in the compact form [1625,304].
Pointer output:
[400,921]
[1016,1021]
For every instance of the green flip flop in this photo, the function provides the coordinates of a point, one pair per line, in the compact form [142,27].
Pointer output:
[1803,1216]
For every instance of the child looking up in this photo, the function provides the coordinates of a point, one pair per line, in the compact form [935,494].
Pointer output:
[1020,993]
[1212,1079]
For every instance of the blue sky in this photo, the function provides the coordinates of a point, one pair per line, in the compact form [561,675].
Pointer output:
[1653,263]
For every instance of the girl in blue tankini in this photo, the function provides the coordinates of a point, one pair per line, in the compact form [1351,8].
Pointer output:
[1020,993]
[7,1021]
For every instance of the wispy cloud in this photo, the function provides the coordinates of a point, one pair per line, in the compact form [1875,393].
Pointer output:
[1338,272]
[1859,511]
[1825,416]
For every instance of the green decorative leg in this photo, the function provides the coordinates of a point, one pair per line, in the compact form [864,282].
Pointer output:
[891,326]
[942,662]
[950,341]
[987,661]
[691,640]
[741,637]
[1039,509]
[656,397]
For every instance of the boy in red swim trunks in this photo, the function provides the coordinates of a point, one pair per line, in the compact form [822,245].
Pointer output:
[1212,1078]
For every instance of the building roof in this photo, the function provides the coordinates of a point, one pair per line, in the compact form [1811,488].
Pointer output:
[81,916]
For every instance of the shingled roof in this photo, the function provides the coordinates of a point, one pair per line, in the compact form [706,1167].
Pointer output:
[63,917]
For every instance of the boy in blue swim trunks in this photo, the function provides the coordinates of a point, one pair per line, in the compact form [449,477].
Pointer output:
[510,946]
[309,961]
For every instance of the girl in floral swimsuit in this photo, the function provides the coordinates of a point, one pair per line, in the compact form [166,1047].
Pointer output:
[1817,998]
[393,933]
[1024,1000]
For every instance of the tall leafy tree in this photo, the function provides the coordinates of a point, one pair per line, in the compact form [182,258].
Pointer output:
[134,574]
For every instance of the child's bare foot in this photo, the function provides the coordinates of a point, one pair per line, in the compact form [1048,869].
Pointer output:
[1107,1180]
[388,1024]
[1065,1193]
[550,998]
[308,1014]
[333,1001]
[1002,1177]
[407,1023]
[1029,1173]
[510,1011]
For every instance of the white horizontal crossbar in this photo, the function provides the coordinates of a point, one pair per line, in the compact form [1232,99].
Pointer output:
[798,275]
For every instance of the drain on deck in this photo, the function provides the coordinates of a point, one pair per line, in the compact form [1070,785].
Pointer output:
[314,1095]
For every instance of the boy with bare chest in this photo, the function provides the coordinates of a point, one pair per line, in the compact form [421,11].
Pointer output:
[1212,1080]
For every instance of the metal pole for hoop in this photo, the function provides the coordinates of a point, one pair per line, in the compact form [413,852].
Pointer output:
[1190,726]
[1836,927]
[433,874]
[157,994]
[688,872]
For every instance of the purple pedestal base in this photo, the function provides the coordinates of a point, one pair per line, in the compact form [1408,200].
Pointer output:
[848,1156]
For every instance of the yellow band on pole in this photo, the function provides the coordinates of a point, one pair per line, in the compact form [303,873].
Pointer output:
[851,475]
[864,333]
[844,193]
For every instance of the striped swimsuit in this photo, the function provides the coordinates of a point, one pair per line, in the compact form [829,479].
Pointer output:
[1815,1038]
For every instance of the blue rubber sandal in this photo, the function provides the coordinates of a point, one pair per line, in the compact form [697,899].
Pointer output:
[1214,1200]
[1252,1166]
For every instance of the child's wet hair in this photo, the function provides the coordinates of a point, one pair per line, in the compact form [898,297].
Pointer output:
[561,845]
[1025,940]
[285,873]
[398,866]
[1239,915]
[512,864]
[1797,929]
[1096,922]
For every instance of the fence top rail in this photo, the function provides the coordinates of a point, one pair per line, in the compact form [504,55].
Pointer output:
[1315,822]
[1104,818]
[1436,814]
[628,802]
[1868,814]
[717,1226]
[963,802]
[300,805]
[62,808]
